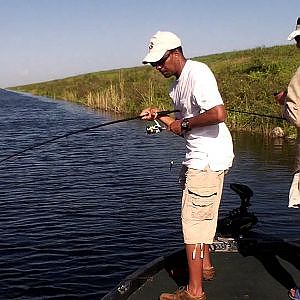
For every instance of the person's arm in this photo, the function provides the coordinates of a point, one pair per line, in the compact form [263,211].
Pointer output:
[212,116]
[292,100]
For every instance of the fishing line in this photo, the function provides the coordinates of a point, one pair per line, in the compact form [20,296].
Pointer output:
[256,114]
[160,113]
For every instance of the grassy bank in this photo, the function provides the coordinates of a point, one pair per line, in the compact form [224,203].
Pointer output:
[247,80]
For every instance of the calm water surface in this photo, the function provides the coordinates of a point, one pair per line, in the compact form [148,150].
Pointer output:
[78,215]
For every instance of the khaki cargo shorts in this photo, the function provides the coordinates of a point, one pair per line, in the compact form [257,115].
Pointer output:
[202,191]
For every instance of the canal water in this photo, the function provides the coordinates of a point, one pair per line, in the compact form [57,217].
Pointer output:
[80,214]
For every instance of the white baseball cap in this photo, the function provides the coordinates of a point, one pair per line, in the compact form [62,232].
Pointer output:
[295,32]
[159,44]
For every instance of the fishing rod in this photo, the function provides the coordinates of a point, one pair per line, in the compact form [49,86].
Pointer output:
[256,114]
[160,113]
[156,128]
[152,129]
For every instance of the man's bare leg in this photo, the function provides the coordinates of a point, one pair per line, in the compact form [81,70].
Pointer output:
[195,265]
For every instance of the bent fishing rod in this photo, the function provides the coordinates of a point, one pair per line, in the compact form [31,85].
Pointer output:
[149,130]
[160,113]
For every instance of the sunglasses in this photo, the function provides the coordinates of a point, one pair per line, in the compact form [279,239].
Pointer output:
[161,61]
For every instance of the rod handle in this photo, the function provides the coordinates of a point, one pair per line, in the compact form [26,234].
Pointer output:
[167,112]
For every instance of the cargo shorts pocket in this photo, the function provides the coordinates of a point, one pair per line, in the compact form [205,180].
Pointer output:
[201,203]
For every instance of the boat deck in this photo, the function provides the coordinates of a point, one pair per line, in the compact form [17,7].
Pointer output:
[258,267]
[237,277]
[253,275]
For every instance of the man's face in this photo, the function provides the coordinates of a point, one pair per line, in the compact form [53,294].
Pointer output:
[165,65]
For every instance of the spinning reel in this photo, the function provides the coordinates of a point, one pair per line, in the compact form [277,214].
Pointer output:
[156,128]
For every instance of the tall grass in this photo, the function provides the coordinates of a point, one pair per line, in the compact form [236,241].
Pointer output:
[247,80]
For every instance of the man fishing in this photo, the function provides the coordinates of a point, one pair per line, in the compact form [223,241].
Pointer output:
[290,101]
[209,152]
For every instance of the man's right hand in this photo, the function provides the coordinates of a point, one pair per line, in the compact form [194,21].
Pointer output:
[280,97]
[149,114]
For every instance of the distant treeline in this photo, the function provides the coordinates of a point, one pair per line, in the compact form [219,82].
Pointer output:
[247,80]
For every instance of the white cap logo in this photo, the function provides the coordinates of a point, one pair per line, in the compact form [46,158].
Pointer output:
[151,45]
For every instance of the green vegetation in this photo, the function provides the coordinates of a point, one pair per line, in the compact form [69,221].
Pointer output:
[247,80]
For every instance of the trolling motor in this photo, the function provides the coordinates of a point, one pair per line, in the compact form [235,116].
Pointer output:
[239,220]
[156,128]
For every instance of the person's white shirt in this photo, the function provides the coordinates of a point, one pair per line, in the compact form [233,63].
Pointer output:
[194,92]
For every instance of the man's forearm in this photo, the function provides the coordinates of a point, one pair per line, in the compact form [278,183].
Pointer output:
[213,116]
[166,120]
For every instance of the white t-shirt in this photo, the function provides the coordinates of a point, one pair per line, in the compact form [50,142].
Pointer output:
[195,92]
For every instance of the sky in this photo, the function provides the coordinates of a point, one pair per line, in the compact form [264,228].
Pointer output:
[50,39]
